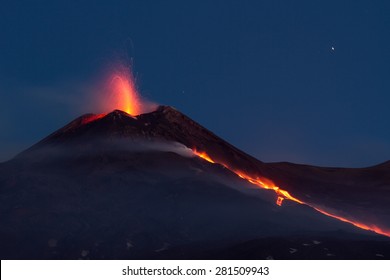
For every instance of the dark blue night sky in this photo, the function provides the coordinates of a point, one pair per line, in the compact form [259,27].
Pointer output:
[261,74]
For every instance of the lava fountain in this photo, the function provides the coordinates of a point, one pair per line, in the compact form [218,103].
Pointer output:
[119,92]
[124,93]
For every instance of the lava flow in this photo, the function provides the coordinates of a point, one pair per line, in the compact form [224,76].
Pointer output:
[91,118]
[261,182]
[283,194]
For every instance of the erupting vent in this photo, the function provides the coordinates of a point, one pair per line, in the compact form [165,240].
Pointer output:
[120,93]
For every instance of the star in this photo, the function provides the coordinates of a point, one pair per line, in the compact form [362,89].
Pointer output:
[332,48]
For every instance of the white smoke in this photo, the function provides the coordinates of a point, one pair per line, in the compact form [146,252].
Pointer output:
[174,147]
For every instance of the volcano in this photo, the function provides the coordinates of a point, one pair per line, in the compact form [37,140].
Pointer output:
[160,186]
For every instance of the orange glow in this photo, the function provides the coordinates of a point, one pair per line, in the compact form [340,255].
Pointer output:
[203,155]
[265,183]
[283,194]
[373,228]
[279,201]
[91,118]
[125,94]
[117,90]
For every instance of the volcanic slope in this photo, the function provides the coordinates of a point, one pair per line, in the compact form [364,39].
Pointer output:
[116,186]
[360,195]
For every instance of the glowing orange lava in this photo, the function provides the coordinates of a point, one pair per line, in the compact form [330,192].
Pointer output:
[279,201]
[203,155]
[91,118]
[261,182]
[265,183]
[125,94]
[283,194]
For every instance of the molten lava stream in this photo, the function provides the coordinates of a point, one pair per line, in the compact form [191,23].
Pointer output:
[283,194]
